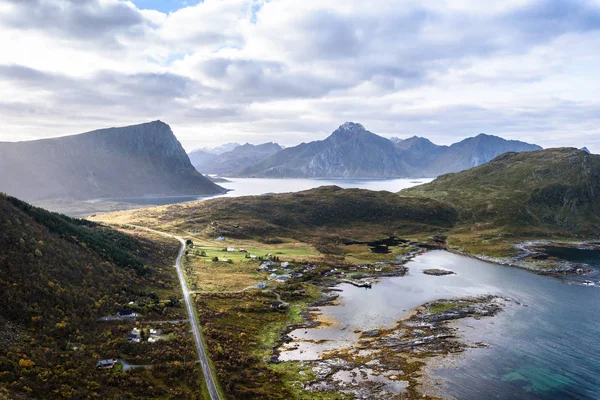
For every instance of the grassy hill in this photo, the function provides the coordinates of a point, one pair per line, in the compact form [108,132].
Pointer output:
[306,216]
[58,275]
[548,191]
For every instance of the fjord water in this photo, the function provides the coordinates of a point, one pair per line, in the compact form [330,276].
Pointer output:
[256,186]
[544,345]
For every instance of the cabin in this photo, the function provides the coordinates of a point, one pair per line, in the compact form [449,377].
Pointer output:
[128,315]
[134,337]
[261,285]
[106,364]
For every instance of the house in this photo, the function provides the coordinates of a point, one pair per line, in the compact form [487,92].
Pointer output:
[128,315]
[231,249]
[285,264]
[365,266]
[353,268]
[220,238]
[295,274]
[282,278]
[261,285]
[272,277]
[253,256]
[243,250]
[377,269]
[223,259]
[134,337]
[276,304]
[264,267]
[106,364]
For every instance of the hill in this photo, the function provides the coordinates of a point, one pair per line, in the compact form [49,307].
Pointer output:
[132,161]
[349,152]
[552,190]
[58,275]
[232,161]
[353,152]
[307,216]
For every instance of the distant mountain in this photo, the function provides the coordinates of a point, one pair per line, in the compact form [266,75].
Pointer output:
[353,152]
[553,189]
[349,152]
[235,160]
[201,158]
[470,153]
[224,148]
[137,160]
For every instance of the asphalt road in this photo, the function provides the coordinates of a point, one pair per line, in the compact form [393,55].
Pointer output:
[208,375]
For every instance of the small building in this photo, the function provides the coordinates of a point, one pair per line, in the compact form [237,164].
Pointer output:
[106,364]
[282,278]
[378,269]
[223,259]
[243,250]
[285,264]
[134,337]
[261,285]
[230,249]
[220,238]
[253,256]
[272,277]
[128,315]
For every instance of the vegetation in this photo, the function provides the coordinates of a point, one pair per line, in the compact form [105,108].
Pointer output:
[57,277]
[304,216]
[538,193]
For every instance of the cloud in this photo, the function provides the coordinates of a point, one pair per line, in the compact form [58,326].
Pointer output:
[291,71]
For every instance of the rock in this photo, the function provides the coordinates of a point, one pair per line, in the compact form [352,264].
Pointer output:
[438,272]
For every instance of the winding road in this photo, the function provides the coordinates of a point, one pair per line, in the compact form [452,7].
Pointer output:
[208,375]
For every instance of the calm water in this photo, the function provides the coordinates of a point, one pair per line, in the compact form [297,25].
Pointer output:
[252,187]
[545,348]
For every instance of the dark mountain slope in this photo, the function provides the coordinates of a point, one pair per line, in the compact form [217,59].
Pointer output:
[553,189]
[136,160]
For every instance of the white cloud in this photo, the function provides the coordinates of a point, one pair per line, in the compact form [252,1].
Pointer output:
[291,71]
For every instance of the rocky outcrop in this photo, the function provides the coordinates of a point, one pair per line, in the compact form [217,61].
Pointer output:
[132,161]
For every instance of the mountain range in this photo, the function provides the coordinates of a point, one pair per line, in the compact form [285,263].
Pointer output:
[231,161]
[351,151]
[131,161]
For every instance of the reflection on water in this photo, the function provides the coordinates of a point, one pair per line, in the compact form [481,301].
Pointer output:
[543,348]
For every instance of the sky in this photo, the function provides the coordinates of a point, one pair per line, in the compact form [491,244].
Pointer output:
[290,71]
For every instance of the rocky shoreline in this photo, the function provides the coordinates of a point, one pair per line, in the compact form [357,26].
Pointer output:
[387,363]
[523,261]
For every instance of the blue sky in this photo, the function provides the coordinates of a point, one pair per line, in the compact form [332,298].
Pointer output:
[289,71]
[164,6]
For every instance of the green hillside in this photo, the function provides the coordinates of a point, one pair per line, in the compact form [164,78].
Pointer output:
[547,191]
[57,277]
[306,216]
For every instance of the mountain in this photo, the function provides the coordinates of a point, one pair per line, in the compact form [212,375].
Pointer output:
[232,161]
[131,161]
[200,159]
[353,152]
[470,153]
[419,152]
[58,275]
[349,152]
[555,189]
